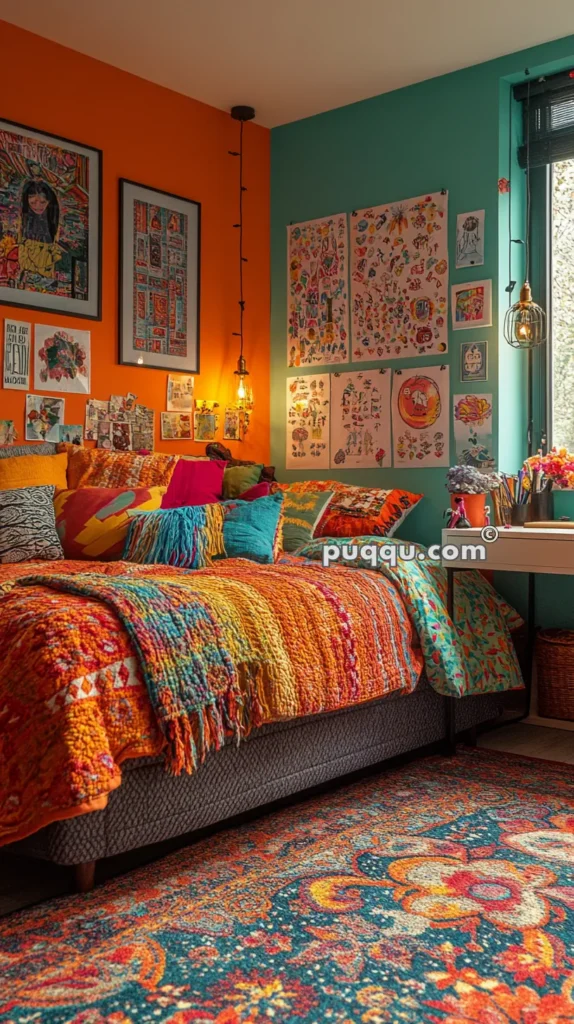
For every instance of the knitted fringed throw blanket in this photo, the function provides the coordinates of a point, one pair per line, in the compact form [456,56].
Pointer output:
[193,684]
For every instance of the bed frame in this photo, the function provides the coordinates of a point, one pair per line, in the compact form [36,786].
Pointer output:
[276,761]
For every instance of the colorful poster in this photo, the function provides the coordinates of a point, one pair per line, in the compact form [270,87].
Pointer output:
[205,425]
[115,436]
[61,360]
[308,422]
[143,428]
[473,430]
[176,426]
[96,412]
[72,434]
[44,417]
[233,424]
[49,218]
[8,432]
[470,239]
[421,426]
[180,393]
[474,360]
[16,354]
[399,279]
[471,305]
[159,279]
[361,419]
[318,313]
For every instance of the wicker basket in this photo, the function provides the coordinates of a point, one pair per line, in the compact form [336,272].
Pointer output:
[555,673]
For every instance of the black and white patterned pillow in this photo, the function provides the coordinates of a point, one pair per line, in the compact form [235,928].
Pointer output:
[10,451]
[28,525]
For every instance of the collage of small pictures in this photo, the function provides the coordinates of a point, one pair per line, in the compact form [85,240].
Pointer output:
[396,258]
[61,362]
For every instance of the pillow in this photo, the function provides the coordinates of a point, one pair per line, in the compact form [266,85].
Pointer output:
[92,522]
[34,471]
[302,513]
[237,479]
[353,511]
[259,491]
[15,450]
[194,483]
[252,529]
[28,525]
[189,537]
[97,467]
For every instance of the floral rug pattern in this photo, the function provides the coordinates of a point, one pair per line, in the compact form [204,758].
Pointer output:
[439,893]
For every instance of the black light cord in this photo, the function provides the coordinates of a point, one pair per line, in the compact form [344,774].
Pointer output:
[527,239]
[241,257]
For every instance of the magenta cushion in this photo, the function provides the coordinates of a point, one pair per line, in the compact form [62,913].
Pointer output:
[195,483]
[261,490]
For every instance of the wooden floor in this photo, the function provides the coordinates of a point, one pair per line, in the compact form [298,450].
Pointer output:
[531,741]
[24,881]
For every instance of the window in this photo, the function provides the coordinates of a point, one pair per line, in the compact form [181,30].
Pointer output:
[561,342]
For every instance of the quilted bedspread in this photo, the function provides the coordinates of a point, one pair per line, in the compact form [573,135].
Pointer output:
[75,682]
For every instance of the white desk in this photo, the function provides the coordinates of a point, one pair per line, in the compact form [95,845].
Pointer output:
[517,549]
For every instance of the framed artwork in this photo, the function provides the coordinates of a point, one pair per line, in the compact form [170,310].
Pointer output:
[474,360]
[471,305]
[50,222]
[159,279]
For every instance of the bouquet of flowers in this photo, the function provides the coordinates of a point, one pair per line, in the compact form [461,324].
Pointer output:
[468,480]
[557,465]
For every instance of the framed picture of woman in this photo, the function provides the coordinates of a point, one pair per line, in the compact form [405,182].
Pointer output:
[159,279]
[50,222]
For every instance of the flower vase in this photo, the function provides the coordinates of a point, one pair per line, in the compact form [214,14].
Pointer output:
[474,505]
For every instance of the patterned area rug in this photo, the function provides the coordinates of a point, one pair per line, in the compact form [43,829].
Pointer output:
[442,892]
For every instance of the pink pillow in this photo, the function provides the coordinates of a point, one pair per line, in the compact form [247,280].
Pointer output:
[195,483]
[262,490]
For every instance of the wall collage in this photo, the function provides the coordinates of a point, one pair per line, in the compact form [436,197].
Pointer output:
[51,261]
[395,257]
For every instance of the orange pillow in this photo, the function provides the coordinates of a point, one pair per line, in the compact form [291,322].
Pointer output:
[97,467]
[92,522]
[356,511]
[33,471]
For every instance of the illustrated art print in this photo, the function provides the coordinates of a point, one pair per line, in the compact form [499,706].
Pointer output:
[205,424]
[50,231]
[420,405]
[115,436]
[44,416]
[16,355]
[399,279]
[159,279]
[470,239]
[61,360]
[176,426]
[471,305]
[233,424]
[96,412]
[473,430]
[180,393]
[318,313]
[8,432]
[474,361]
[72,434]
[361,419]
[308,422]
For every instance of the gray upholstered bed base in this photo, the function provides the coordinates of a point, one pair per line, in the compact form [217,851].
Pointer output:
[276,761]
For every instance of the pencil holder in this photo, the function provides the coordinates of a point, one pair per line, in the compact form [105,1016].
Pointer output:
[541,507]
[519,515]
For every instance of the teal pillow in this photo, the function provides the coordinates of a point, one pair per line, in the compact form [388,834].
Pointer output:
[237,479]
[302,512]
[188,537]
[251,529]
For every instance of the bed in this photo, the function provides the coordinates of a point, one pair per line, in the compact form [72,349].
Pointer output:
[308,673]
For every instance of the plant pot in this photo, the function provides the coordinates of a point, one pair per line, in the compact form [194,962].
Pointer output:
[474,505]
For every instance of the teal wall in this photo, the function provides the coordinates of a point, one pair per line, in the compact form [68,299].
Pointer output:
[449,132]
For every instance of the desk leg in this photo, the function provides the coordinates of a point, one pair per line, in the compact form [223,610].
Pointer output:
[530,638]
[450,741]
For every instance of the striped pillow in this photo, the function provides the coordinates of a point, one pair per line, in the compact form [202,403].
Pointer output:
[28,525]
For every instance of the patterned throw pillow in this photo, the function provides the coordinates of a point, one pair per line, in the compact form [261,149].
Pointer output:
[92,522]
[188,537]
[302,513]
[28,525]
[368,511]
[96,467]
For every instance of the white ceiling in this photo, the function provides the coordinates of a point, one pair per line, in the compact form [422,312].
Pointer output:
[290,58]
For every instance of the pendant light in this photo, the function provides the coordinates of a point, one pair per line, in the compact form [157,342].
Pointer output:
[241,390]
[525,321]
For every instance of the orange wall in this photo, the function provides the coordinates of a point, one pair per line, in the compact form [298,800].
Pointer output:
[167,141]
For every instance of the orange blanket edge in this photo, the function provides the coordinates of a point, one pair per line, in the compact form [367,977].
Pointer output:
[99,803]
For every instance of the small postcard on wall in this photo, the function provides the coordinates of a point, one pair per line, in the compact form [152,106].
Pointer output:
[470,239]
[17,355]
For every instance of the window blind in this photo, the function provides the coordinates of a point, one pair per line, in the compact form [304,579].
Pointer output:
[548,119]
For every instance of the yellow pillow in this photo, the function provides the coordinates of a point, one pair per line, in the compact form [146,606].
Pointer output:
[33,471]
